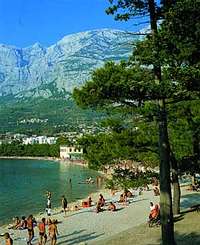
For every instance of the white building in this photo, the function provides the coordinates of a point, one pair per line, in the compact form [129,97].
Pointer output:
[30,141]
[70,152]
[39,140]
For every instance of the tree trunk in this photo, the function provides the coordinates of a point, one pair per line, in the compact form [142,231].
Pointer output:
[176,185]
[196,146]
[176,198]
[167,225]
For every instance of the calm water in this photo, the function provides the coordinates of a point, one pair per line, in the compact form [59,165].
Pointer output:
[23,184]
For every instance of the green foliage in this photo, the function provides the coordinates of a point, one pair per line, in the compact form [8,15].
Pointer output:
[124,10]
[139,144]
[62,140]
[56,116]
[133,85]
[125,179]
[109,184]
[36,150]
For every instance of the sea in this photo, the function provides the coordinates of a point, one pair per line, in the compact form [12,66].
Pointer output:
[24,183]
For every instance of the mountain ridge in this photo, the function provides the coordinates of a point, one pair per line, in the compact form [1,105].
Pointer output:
[68,63]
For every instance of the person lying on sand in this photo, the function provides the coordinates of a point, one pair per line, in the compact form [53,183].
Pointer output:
[87,203]
[75,208]
[111,207]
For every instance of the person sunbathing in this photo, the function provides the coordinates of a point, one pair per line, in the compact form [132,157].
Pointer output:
[156,191]
[23,223]
[98,207]
[111,207]
[128,193]
[101,200]
[87,203]
[75,208]
[16,224]
[121,198]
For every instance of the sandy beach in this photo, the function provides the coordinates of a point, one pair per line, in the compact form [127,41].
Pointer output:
[87,227]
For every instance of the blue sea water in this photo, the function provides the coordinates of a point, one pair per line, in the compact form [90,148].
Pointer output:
[23,184]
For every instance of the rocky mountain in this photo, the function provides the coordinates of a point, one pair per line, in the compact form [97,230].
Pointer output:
[42,71]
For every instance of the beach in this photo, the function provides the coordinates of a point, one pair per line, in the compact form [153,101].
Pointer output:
[87,227]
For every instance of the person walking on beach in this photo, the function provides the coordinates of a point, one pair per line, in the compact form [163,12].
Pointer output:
[8,239]
[64,204]
[30,229]
[53,232]
[42,232]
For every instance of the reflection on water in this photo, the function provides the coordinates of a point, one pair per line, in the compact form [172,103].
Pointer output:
[23,184]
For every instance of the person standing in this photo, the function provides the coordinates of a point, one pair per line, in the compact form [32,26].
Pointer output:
[30,229]
[53,232]
[64,204]
[48,206]
[42,232]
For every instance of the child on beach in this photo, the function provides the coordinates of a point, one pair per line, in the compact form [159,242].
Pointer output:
[111,207]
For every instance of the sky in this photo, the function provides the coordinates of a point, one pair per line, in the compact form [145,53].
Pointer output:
[25,22]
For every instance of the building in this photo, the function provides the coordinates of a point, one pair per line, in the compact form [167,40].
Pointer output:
[39,140]
[71,152]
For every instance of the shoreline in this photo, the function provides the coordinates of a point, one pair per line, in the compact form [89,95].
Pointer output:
[56,159]
[85,226]
[57,210]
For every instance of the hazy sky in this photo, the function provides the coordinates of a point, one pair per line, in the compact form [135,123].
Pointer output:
[24,22]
